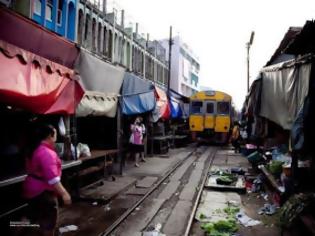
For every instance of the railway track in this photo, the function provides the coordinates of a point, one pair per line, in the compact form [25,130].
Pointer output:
[178,190]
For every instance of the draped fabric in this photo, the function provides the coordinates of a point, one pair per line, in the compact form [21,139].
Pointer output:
[97,104]
[162,109]
[284,88]
[26,34]
[137,95]
[33,83]
[102,83]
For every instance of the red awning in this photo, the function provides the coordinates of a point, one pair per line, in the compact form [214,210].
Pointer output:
[36,84]
[162,103]
[24,33]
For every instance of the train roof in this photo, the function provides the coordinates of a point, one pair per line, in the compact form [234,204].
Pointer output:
[211,94]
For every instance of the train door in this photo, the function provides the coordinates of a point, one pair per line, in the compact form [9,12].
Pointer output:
[196,119]
[209,120]
[223,120]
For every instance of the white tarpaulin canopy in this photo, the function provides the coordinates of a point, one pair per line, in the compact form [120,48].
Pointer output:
[97,104]
[102,83]
[284,88]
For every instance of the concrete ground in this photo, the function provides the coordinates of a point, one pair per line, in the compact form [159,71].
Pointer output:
[170,205]
[92,215]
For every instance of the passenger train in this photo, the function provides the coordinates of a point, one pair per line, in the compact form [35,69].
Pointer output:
[210,117]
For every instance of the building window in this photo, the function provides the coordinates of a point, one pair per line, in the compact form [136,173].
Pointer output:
[38,7]
[99,37]
[71,21]
[104,41]
[49,9]
[94,35]
[80,27]
[86,31]
[59,12]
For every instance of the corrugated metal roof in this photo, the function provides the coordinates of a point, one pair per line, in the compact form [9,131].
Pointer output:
[303,43]
[287,39]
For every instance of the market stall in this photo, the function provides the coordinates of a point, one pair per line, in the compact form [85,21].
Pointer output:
[97,116]
[32,89]
[137,99]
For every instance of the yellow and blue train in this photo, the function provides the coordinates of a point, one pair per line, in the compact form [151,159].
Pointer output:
[210,117]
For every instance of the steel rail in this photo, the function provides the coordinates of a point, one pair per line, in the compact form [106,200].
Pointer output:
[152,189]
[201,188]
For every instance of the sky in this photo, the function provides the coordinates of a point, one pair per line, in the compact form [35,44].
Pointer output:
[217,31]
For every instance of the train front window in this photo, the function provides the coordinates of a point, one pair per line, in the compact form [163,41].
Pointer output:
[210,108]
[196,107]
[223,108]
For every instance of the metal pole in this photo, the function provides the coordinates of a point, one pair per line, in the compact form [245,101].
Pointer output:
[248,47]
[113,37]
[251,40]
[169,61]
[119,140]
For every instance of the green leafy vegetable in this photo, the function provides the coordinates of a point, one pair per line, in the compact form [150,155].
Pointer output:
[220,228]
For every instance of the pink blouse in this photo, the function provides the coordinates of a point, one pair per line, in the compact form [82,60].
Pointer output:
[137,132]
[43,169]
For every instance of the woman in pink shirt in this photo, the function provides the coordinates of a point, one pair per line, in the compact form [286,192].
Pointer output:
[42,185]
[136,140]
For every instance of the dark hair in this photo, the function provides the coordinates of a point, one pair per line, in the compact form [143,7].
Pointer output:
[236,123]
[39,133]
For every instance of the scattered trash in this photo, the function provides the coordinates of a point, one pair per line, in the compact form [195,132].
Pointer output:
[107,208]
[237,170]
[158,226]
[264,196]
[176,193]
[245,220]
[257,185]
[154,231]
[94,203]
[68,228]
[268,209]
[137,209]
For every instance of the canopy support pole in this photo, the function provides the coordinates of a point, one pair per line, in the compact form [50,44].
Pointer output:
[119,140]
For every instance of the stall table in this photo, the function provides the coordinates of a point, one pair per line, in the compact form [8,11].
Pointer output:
[162,143]
[22,176]
[103,155]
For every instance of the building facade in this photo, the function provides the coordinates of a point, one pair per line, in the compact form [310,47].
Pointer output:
[58,16]
[102,31]
[185,67]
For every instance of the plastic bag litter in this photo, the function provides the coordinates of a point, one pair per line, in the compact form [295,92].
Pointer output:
[268,209]
[83,150]
[246,220]
[154,231]
[68,228]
